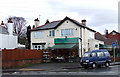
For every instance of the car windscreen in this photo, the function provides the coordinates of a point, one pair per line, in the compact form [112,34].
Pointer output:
[86,55]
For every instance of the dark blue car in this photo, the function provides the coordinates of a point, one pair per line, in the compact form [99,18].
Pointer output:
[96,58]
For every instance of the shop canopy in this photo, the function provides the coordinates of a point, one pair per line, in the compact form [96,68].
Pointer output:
[65,43]
[102,46]
[64,46]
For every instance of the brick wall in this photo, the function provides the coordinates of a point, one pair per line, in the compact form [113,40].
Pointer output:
[16,57]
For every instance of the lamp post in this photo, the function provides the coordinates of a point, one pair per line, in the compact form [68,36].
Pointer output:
[114,45]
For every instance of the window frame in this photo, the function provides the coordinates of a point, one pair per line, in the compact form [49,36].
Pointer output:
[38,47]
[67,32]
[38,35]
[52,33]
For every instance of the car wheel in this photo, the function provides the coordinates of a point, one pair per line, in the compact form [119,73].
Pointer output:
[107,64]
[93,65]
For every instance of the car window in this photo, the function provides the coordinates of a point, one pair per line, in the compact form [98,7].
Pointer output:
[86,55]
[93,54]
[107,54]
[100,54]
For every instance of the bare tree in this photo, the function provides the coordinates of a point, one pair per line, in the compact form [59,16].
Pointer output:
[19,26]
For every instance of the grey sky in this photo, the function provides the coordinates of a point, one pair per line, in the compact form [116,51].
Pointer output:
[100,14]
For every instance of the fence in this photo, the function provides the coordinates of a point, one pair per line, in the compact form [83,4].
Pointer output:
[16,57]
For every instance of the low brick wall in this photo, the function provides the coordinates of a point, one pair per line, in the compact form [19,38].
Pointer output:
[16,57]
[117,59]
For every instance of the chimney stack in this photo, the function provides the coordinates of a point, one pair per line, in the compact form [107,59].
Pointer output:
[10,26]
[106,33]
[37,22]
[2,23]
[84,22]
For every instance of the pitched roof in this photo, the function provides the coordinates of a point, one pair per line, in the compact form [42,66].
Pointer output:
[99,36]
[114,31]
[55,24]
[3,30]
[50,25]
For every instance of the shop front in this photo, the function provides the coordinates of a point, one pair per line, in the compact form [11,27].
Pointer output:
[65,49]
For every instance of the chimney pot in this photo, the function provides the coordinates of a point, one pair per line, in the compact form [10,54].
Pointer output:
[10,20]
[84,22]
[36,19]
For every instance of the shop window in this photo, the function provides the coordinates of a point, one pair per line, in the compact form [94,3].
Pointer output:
[96,46]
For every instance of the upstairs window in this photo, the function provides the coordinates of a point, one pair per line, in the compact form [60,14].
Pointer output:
[113,33]
[38,35]
[67,32]
[52,33]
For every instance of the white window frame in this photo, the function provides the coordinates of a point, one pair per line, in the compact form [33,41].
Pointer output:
[38,34]
[52,33]
[67,32]
[41,47]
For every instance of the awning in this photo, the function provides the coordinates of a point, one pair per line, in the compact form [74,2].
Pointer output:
[102,46]
[63,46]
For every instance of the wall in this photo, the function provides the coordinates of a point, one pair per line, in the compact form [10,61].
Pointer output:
[93,42]
[87,34]
[48,40]
[113,38]
[16,57]
[119,28]
[68,25]
[8,41]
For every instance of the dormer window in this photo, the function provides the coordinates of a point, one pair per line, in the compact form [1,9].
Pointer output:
[113,33]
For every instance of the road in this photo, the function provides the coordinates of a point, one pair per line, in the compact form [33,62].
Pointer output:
[63,69]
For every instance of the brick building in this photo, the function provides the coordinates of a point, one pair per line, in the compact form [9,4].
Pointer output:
[108,38]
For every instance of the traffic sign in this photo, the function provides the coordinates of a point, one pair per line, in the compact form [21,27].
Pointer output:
[113,44]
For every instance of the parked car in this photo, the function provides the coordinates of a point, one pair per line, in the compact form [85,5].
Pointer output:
[96,58]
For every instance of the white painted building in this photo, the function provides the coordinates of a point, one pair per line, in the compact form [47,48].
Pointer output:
[47,36]
[8,40]
[119,28]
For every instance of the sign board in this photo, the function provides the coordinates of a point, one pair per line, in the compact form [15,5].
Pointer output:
[113,44]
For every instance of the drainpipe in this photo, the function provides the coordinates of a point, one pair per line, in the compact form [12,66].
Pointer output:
[81,40]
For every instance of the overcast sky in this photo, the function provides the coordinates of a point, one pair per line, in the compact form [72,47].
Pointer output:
[100,14]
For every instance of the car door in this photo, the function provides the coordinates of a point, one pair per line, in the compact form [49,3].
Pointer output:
[100,58]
